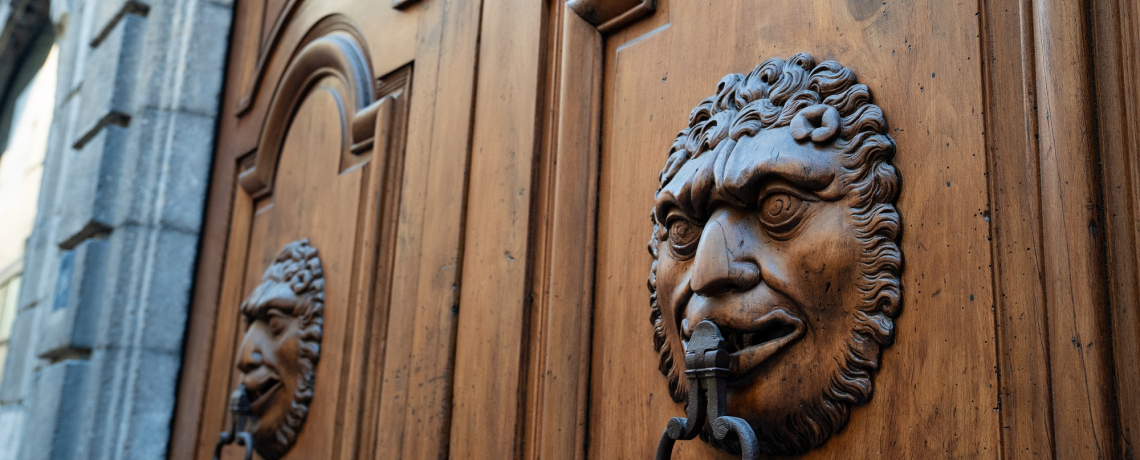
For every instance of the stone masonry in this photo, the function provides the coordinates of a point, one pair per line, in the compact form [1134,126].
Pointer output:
[97,343]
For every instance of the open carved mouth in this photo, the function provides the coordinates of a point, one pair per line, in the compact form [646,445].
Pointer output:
[750,348]
[260,390]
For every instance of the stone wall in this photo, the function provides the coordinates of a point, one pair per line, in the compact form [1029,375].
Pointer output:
[96,347]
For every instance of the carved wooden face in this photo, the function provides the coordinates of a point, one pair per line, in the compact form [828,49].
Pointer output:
[771,257]
[775,220]
[270,360]
[281,346]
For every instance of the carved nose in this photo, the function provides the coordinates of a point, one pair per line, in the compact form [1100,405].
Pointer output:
[723,262]
[250,358]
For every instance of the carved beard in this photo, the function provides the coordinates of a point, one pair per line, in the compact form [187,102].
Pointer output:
[819,420]
[285,434]
[851,384]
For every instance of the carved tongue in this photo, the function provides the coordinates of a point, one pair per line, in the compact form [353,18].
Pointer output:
[748,358]
[753,348]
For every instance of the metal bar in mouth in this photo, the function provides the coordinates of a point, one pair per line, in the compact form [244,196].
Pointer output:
[706,363]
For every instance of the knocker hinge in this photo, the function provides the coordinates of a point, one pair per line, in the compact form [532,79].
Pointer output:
[707,368]
[241,410]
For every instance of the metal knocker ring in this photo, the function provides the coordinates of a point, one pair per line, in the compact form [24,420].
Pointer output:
[706,363]
[241,409]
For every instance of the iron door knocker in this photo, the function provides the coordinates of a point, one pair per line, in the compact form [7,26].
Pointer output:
[240,410]
[706,363]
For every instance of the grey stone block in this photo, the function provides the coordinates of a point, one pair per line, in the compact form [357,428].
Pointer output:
[21,362]
[110,74]
[169,157]
[69,321]
[130,409]
[11,426]
[108,13]
[30,292]
[151,273]
[69,49]
[192,82]
[87,200]
[51,423]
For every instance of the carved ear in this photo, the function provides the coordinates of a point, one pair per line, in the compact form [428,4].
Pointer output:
[819,122]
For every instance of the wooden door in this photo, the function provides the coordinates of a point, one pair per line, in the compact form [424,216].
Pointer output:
[892,211]
[344,135]
[911,223]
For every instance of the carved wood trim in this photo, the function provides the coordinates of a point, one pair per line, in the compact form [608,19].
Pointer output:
[339,55]
[325,26]
[1073,261]
[365,351]
[612,15]
[1014,171]
[1116,38]
[558,395]
[265,50]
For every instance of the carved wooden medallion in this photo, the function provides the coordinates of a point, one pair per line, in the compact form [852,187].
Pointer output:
[279,352]
[775,220]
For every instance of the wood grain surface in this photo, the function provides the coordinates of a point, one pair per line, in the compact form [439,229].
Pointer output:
[486,244]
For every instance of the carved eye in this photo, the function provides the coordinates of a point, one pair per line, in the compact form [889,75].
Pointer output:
[277,322]
[684,236]
[780,213]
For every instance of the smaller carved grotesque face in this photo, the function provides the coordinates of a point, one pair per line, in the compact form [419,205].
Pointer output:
[775,221]
[281,346]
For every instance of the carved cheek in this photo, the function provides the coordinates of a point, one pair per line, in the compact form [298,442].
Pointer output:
[288,352]
[814,266]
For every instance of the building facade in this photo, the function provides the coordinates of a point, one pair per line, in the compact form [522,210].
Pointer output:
[367,229]
[96,338]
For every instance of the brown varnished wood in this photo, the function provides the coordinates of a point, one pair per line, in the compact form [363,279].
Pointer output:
[1116,40]
[563,286]
[350,397]
[1072,234]
[487,289]
[382,200]
[397,27]
[1015,207]
[491,357]
[416,387]
[335,51]
[612,15]
[910,393]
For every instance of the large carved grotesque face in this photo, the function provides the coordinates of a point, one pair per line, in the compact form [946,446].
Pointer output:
[281,346]
[775,220]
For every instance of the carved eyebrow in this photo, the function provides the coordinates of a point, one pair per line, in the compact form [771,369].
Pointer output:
[699,197]
[277,296]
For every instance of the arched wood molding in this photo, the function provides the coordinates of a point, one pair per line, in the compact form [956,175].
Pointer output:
[339,55]
[612,15]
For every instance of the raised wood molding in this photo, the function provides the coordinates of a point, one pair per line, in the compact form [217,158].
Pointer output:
[1015,204]
[566,220]
[266,50]
[612,15]
[338,55]
[1116,40]
[1073,249]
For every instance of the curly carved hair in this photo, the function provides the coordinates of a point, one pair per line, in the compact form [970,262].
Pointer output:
[781,93]
[298,266]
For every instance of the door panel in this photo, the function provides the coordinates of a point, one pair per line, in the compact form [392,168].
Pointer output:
[920,63]
[317,114]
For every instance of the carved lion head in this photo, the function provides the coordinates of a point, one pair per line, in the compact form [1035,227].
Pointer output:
[282,345]
[775,220]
